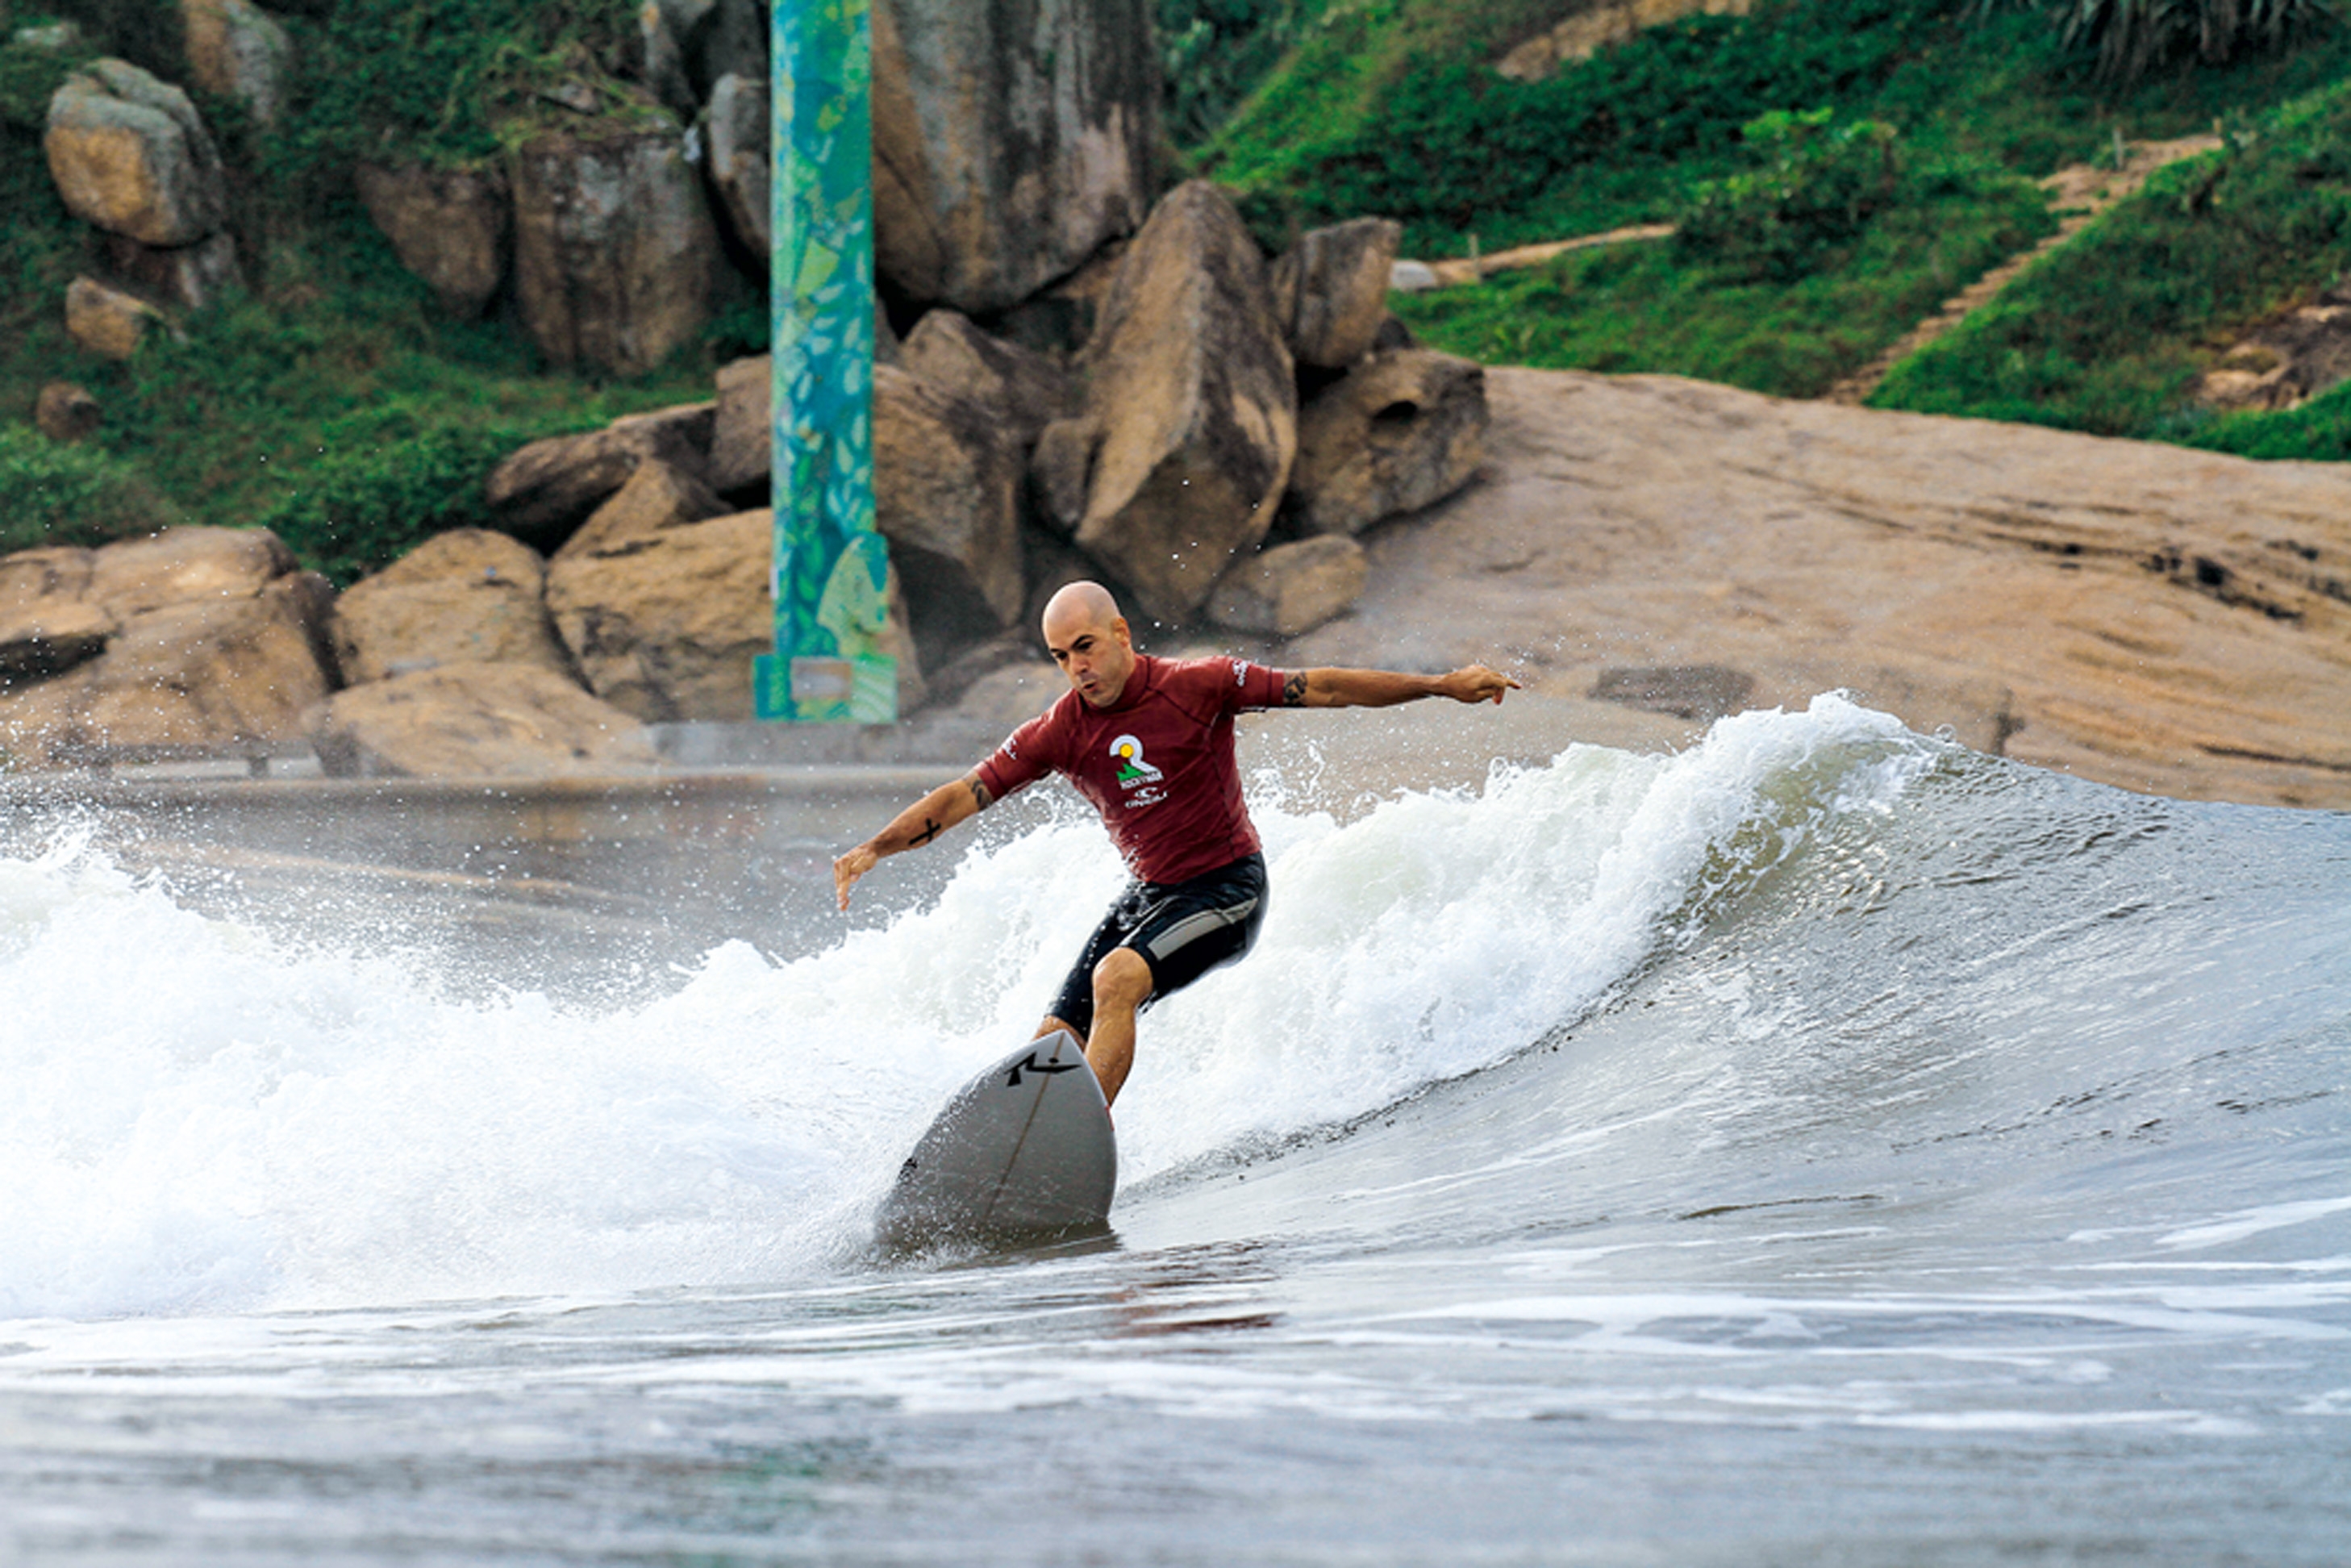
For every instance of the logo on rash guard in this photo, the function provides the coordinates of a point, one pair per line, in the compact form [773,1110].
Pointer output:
[1137,777]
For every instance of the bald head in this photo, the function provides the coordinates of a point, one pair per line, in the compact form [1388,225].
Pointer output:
[1088,639]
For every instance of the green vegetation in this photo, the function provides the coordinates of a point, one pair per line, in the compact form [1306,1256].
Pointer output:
[2108,333]
[53,495]
[336,403]
[1778,306]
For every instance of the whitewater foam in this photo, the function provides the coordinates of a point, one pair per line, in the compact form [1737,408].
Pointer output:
[200,1117]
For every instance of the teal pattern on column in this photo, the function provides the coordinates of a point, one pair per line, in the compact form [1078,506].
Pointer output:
[830,568]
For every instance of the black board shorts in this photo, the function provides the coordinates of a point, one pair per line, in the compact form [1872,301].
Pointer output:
[1182,929]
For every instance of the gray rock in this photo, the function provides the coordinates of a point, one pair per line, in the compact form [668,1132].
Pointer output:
[1331,290]
[1291,589]
[475,720]
[450,228]
[1025,389]
[741,159]
[108,322]
[544,491]
[1190,388]
[1010,142]
[47,623]
[66,412]
[469,596]
[664,627]
[1401,431]
[615,249]
[237,50]
[946,486]
[1413,277]
[131,155]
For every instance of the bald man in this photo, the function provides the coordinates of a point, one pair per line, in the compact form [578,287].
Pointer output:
[1149,742]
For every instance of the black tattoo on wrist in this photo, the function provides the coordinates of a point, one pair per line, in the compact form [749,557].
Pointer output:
[1293,689]
[981,798]
[931,829]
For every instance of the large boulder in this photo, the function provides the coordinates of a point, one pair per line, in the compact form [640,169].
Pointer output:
[657,496]
[615,250]
[947,481]
[469,596]
[47,621]
[544,491]
[205,676]
[180,566]
[743,434]
[475,720]
[665,626]
[1402,432]
[1191,412]
[448,226]
[131,155]
[1010,142]
[1025,389]
[237,50]
[1291,589]
[1331,290]
[740,135]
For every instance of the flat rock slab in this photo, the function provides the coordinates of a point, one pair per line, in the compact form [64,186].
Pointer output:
[2164,620]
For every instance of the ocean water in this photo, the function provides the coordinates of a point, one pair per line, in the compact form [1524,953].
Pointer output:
[1824,1145]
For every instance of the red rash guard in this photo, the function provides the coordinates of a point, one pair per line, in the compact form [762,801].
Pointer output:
[1157,764]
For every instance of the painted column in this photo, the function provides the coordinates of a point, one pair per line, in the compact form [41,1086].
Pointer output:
[830,574]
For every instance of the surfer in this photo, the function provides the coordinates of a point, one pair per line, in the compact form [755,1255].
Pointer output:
[1149,742]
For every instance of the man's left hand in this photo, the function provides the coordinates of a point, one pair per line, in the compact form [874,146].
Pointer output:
[1477,684]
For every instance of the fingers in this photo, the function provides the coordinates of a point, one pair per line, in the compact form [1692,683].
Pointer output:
[845,873]
[1477,684]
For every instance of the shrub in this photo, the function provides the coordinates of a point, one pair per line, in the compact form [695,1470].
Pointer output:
[57,495]
[1815,185]
[2131,36]
[385,482]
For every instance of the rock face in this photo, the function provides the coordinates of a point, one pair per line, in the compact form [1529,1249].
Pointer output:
[2146,615]
[741,159]
[470,596]
[47,621]
[1331,292]
[665,626]
[1024,389]
[1291,589]
[475,720]
[1193,410]
[450,228]
[743,438]
[237,50]
[946,486]
[543,492]
[1009,142]
[657,496]
[614,249]
[217,643]
[1402,432]
[131,155]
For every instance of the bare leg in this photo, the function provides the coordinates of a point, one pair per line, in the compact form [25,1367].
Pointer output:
[1122,984]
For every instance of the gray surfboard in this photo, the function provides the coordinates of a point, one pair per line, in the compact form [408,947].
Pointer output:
[1025,1152]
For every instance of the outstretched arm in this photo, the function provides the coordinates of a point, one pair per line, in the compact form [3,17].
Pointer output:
[1385,688]
[915,826]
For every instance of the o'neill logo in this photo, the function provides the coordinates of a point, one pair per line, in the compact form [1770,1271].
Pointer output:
[1137,777]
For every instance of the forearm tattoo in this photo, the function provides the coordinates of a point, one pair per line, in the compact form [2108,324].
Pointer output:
[981,798]
[931,829]
[1293,689]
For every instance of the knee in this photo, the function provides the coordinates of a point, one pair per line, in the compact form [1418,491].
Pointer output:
[1121,979]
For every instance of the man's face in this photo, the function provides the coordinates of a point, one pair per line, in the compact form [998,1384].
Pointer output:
[1097,655]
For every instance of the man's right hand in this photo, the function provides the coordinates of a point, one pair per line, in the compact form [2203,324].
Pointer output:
[849,868]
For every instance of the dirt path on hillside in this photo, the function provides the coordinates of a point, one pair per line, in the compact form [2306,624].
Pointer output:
[2081,192]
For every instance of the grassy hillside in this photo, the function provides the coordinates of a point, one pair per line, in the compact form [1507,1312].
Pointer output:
[1389,106]
[2109,333]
